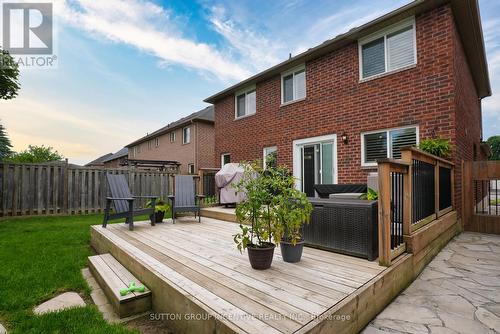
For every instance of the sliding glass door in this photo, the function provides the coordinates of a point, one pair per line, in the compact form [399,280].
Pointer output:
[317,165]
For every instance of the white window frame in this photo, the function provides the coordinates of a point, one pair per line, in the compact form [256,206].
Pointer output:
[222,158]
[293,71]
[245,91]
[388,145]
[383,33]
[157,142]
[265,154]
[297,156]
[189,168]
[184,141]
[172,137]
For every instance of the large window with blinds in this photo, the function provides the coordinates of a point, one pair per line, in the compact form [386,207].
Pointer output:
[386,144]
[389,50]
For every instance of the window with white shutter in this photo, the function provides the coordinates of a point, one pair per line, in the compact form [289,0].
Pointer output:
[386,144]
[389,50]
[293,84]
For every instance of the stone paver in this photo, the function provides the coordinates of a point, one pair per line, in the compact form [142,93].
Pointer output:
[457,293]
[61,302]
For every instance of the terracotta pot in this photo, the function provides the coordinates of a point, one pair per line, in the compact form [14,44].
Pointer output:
[261,257]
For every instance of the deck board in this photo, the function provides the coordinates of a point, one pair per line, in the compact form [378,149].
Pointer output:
[202,262]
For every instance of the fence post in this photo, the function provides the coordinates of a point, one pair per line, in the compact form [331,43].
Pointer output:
[65,188]
[406,156]
[467,194]
[384,214]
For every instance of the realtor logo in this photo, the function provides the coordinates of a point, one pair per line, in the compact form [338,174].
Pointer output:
[27,28]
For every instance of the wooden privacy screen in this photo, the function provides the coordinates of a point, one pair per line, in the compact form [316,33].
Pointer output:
[481,200]
[44,189]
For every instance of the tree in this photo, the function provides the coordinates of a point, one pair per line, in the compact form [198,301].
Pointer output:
[5,145]
[9,76]
[494,143]
[36,154]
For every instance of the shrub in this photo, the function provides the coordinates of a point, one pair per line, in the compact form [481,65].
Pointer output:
[437,146]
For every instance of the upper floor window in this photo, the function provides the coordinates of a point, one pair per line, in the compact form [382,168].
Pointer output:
[225,159]
[191,168]
[134,152]
[149,144]
[245,102]
[389,50]
[386,144]
[186,135]
[172,136]
[157,141]
[293,84]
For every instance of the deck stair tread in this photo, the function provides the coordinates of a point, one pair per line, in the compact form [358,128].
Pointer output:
[112,276]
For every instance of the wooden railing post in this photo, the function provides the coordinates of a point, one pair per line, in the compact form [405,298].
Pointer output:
[384,214]
[436,188]
[406,156]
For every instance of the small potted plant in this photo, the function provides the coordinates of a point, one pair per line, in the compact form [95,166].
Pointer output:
[258,236]
[292,211]
[161,207]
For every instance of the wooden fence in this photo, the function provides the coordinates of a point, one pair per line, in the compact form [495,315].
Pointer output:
[481,201]
[413,192]
[48,189]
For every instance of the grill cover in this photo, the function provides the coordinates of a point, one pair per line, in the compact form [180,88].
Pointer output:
[226,179]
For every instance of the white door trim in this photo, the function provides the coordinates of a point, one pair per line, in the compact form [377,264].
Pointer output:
[297,163]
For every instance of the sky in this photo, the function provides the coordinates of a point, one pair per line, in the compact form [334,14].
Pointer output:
[128,67]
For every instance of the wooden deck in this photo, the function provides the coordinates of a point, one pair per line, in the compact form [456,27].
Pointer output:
[195,268]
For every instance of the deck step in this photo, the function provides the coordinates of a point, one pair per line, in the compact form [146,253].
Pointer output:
[112,276]
[219,213]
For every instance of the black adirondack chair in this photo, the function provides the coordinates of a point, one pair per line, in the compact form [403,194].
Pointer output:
[123,201]
[184,198]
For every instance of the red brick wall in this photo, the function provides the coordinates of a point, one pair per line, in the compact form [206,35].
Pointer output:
[205,145]
[338,103]
[468,125]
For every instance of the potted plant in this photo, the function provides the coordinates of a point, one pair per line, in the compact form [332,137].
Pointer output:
[258,236]
[437,146]
[160,208]
[292,210]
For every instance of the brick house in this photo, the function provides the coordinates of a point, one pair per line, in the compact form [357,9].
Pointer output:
[329,113]
[188,142]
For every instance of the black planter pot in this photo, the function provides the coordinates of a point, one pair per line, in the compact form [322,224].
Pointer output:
[261,257]
[157,216]
[291,253]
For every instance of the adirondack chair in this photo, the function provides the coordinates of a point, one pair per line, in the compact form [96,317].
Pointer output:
[184,198]
[123,201]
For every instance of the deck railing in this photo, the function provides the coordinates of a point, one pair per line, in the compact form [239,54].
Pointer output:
[413,191]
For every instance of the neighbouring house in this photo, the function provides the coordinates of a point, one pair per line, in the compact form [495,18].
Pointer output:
[117,159]
[188,142]
[330,112]
[99,162]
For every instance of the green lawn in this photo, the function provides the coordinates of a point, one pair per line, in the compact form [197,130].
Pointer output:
[39,258]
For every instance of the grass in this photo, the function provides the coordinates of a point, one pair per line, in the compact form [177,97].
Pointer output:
[495,202]
[41,257]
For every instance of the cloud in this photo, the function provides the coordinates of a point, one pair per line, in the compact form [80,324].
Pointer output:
[73,131]
[149,28]
[255,49]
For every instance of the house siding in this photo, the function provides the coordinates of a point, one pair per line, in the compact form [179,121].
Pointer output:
[337,102]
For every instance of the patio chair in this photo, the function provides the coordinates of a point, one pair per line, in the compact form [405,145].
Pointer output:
[123,202]
[184,198]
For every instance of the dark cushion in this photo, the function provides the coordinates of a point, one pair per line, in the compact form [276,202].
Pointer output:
[324,190]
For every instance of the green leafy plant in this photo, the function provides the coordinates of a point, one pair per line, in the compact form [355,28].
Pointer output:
[255,210]
[210,200]
[371,195]
[495,202]
[437,146]
[494,142]
[35,154]
[292,211]
[160,206]
[9,76]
